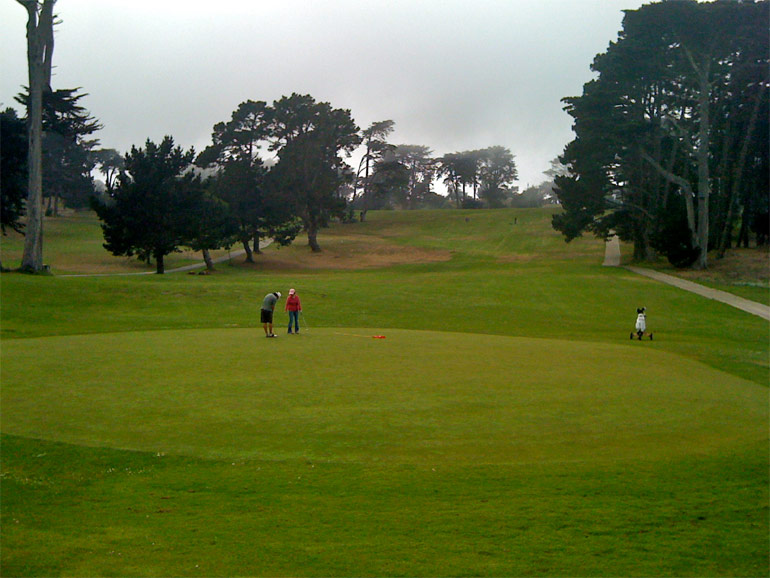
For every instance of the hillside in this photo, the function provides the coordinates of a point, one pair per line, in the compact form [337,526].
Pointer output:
[73,245]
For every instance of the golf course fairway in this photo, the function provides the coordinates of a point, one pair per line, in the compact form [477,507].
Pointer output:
[501,423]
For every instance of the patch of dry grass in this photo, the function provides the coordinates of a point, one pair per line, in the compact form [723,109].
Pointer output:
[738,265]
[341,250]
[744,272]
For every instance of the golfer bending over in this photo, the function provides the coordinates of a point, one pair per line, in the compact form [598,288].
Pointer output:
[268,306]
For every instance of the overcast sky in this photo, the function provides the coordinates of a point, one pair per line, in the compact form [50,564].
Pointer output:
[452,74]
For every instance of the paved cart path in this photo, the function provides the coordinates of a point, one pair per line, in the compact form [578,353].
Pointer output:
[612,259]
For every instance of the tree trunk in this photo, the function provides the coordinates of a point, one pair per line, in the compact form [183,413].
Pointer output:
[737,179]
[704,178]
[702,71]
[160,267]
[743,233]
[208,260]
[643,251]
[257,250]
[312,237]
[366,177]
[726,238]
[39,54]
[247,248]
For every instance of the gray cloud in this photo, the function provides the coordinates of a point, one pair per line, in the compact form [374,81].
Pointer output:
[452,74]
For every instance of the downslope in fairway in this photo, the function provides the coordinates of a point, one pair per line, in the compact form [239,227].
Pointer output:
[338,394]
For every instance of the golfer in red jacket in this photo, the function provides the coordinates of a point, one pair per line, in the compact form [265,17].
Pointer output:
[293,306]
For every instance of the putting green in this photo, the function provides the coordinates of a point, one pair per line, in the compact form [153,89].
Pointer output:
[338,394]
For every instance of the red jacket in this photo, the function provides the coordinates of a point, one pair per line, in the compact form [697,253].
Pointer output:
[292,303]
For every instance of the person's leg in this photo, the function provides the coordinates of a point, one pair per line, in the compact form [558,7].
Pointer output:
[263,319]
[267,322]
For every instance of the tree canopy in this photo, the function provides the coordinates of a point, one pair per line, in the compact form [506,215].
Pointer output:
[488,173]
[67,151]
[13,184]
[312,140]
[671,137]
[156,206]
[373,168]
[240,180]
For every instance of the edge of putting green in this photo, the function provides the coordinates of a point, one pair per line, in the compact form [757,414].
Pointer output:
[339,394]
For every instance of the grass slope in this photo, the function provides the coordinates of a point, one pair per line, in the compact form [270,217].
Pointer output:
[505,425]
[118,513]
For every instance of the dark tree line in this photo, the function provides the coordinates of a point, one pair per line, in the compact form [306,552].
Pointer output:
[485,176]
[671,147]
[402,176]
[160,203]
[310,141]
[67,159]
[68,152]
[13,170]
[155,200]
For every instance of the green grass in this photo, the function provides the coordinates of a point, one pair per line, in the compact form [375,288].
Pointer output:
[304,397]
[74,244]
[505,426]
[119,513]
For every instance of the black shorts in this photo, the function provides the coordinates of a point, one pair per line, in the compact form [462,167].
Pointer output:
[267,316]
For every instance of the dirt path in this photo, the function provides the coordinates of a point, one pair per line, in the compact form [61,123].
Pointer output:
[612,259]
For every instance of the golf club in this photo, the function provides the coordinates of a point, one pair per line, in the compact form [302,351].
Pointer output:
[304,321]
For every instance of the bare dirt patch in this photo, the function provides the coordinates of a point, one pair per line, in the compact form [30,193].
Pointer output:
[739,266]
[349,252]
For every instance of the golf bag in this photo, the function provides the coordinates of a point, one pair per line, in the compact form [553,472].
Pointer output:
[640,330]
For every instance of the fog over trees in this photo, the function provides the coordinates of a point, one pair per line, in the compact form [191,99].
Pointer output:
[670,153]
